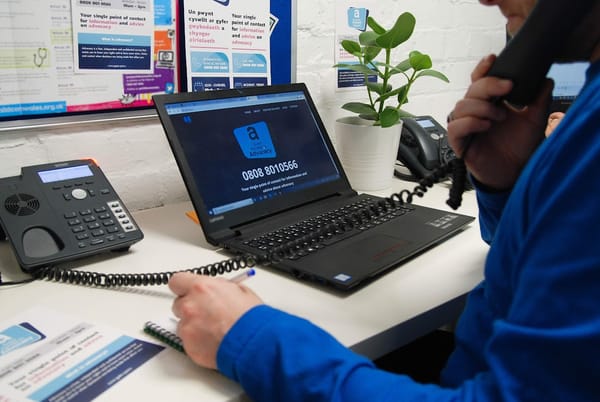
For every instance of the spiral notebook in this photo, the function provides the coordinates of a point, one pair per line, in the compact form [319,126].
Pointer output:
[258,162]
[165,330]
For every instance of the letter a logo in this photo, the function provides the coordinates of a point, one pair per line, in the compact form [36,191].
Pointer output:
[255,141]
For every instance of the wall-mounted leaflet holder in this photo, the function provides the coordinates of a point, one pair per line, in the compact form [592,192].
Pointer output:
[58,212]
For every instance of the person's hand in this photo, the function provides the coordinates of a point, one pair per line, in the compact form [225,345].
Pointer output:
[496,140]
[553,121]
[207,308]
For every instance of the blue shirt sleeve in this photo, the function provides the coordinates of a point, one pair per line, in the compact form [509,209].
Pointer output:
[276,356]
[530,331]
[490,206]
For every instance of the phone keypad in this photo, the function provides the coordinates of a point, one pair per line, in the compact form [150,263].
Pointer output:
[97,226]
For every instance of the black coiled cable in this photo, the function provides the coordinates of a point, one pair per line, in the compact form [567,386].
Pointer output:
[458,171]
[96,279]
[455,167]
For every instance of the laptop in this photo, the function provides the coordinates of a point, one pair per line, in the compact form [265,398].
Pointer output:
[264,179]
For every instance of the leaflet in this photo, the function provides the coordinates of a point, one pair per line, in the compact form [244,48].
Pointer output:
[46,355]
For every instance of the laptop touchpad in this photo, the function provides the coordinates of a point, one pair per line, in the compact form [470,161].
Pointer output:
[379,249]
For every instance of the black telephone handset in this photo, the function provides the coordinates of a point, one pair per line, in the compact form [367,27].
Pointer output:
[63,211]
[528,56]
[423,147]
[526,60]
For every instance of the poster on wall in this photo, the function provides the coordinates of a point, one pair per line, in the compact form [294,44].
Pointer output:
[350,21]
[113,35]
[63,56]
[227,43]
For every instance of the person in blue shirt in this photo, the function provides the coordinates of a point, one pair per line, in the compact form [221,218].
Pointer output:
[530,330]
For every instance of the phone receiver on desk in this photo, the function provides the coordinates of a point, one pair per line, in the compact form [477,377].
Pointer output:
[58,212]
[528,56]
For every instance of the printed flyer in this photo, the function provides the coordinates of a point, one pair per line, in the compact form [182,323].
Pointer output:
[47,355]
[59,57]
[227,43]
[350,22]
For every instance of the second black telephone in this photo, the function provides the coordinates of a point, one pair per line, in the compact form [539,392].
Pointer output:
[423,147]
[58,212]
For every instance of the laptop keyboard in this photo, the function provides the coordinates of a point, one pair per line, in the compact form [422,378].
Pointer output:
[302,238]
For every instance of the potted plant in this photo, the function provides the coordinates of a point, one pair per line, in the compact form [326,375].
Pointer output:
[383,112]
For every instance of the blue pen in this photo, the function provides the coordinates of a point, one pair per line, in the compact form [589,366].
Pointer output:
[242,276]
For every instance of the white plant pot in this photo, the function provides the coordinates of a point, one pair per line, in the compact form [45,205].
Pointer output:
[367,152]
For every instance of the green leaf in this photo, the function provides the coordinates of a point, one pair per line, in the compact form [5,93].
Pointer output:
[404,113]
[432,73]
[368,116]
[403,94]
[378,29]
[419,61]
[388,117]
[351,47]
[388,95]
[368,38]
[358,107]
[370,52]
[400,32]
[378,87]
[402,67]
[396,91]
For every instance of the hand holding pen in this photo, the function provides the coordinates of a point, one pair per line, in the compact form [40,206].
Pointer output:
[207,308]
[242,276]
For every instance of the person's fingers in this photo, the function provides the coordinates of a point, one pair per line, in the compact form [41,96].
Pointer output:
[477,109]
[489,88]
[553,121]
[482,67]
[181,282]
[464,129]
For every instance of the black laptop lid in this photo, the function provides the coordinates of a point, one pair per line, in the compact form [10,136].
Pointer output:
[249,153]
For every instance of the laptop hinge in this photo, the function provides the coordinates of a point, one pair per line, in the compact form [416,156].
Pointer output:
[225,234]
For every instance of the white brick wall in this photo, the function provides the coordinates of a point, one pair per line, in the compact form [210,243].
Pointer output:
[135,154]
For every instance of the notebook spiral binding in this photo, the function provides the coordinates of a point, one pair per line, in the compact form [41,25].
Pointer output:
[456,168]
[164,335]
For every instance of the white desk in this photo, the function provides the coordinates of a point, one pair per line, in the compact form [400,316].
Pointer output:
[400,306]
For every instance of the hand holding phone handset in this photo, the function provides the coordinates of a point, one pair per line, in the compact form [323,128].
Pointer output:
[491,128]
[528,56]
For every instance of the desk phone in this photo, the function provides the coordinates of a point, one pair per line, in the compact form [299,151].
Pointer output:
[423,147]
[63,211]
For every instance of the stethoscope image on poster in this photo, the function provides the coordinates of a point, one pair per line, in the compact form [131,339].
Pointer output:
[40,56]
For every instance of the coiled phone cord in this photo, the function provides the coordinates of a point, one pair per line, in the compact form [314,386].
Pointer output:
[458,171]
[102,280]
[456,168]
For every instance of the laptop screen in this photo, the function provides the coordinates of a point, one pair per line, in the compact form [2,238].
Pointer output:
[568,81]
[247,148]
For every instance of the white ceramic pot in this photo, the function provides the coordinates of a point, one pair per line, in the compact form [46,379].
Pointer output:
[367,152]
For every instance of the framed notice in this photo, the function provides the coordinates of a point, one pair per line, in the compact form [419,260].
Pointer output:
[68,58]
[237,43]
[67,61]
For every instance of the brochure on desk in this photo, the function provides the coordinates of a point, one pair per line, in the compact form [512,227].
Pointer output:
[46,355]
